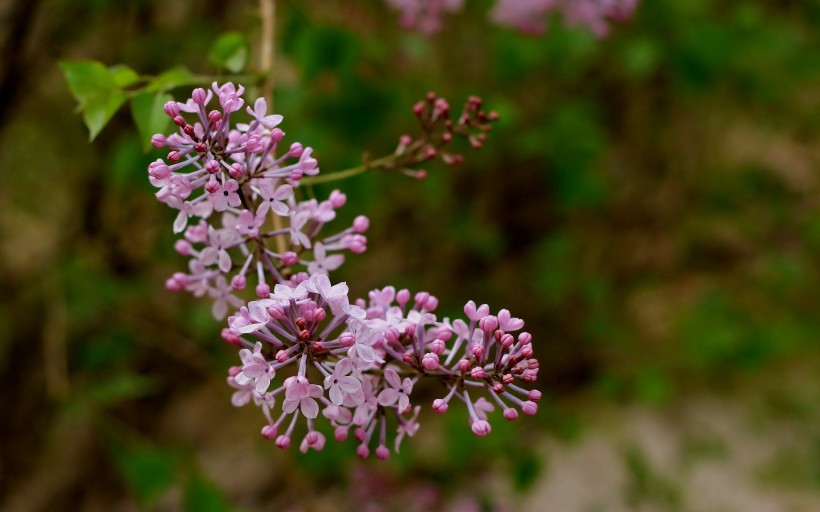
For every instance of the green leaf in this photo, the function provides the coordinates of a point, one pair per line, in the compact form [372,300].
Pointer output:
[166,80]
[230,51]
[99,111]
[96,89]
[123,75]
[203,496]
[146,109]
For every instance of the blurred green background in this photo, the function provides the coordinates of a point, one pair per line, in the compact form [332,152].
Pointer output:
[649,204]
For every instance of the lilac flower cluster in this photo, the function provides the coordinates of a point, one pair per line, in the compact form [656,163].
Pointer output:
[526,15]
[240,191]
[424,15]
[304,342]
[358,363]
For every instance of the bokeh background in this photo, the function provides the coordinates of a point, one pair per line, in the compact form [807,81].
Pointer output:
[649,204]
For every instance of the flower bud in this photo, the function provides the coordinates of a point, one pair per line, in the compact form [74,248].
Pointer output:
[430,361]
[481,428]
[263,291]
[199,96]
[440,406]
[361,224]
[238,282]
[510,414]
[337,199]
[283,442]
[269,431]
[158,140]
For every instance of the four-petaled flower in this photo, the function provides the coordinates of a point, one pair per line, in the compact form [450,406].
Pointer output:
[300,394]
[399,390]
[255,369]
[340,383]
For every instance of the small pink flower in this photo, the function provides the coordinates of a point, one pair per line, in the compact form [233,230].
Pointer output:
[399,390]
[340,383]
[300,394]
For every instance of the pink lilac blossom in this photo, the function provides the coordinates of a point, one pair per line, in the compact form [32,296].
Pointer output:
[529,16]
[369,356]
[236,188]
[424,15]
[238,184]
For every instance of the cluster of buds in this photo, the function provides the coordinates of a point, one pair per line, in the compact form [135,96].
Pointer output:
[303,341]
[357,364]
[525,15]
[439,130]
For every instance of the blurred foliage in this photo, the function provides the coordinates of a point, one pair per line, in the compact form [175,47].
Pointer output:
[648,203]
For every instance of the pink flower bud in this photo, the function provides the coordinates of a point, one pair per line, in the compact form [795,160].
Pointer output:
[231,337]
[212,166]
[269,431]
[510,414]
[238,282]
[421,298]
[171,109]
[173,157]
[359,434]
[437,346]
[440,406]
[263,291]
[431,304]
[233,371]
[488,324]
[340,434]
[478,373]
[430,361]
[534,395]
[183,247]
[507,341]
[362,451]
[527,351]
[347,339]
[361,224]
[337,199]
[158,140]
[382,452]
[320,315]
[507,379]
[481,428]
[529,408]
[276,312]
[281,356]
[236,170]
[199,96]
[212,186]
[525,338]
[463,365]
[172,285]
[180,121]
[289,259]
[478,351]
[283,442]
[214,116]
[296,150]
[276,135]
[158,169]
[403,297]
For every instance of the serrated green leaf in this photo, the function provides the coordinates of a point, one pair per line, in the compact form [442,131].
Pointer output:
[96,89]
[229,51]
[123,75]
[146,109]
[203,496]
[166,80]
